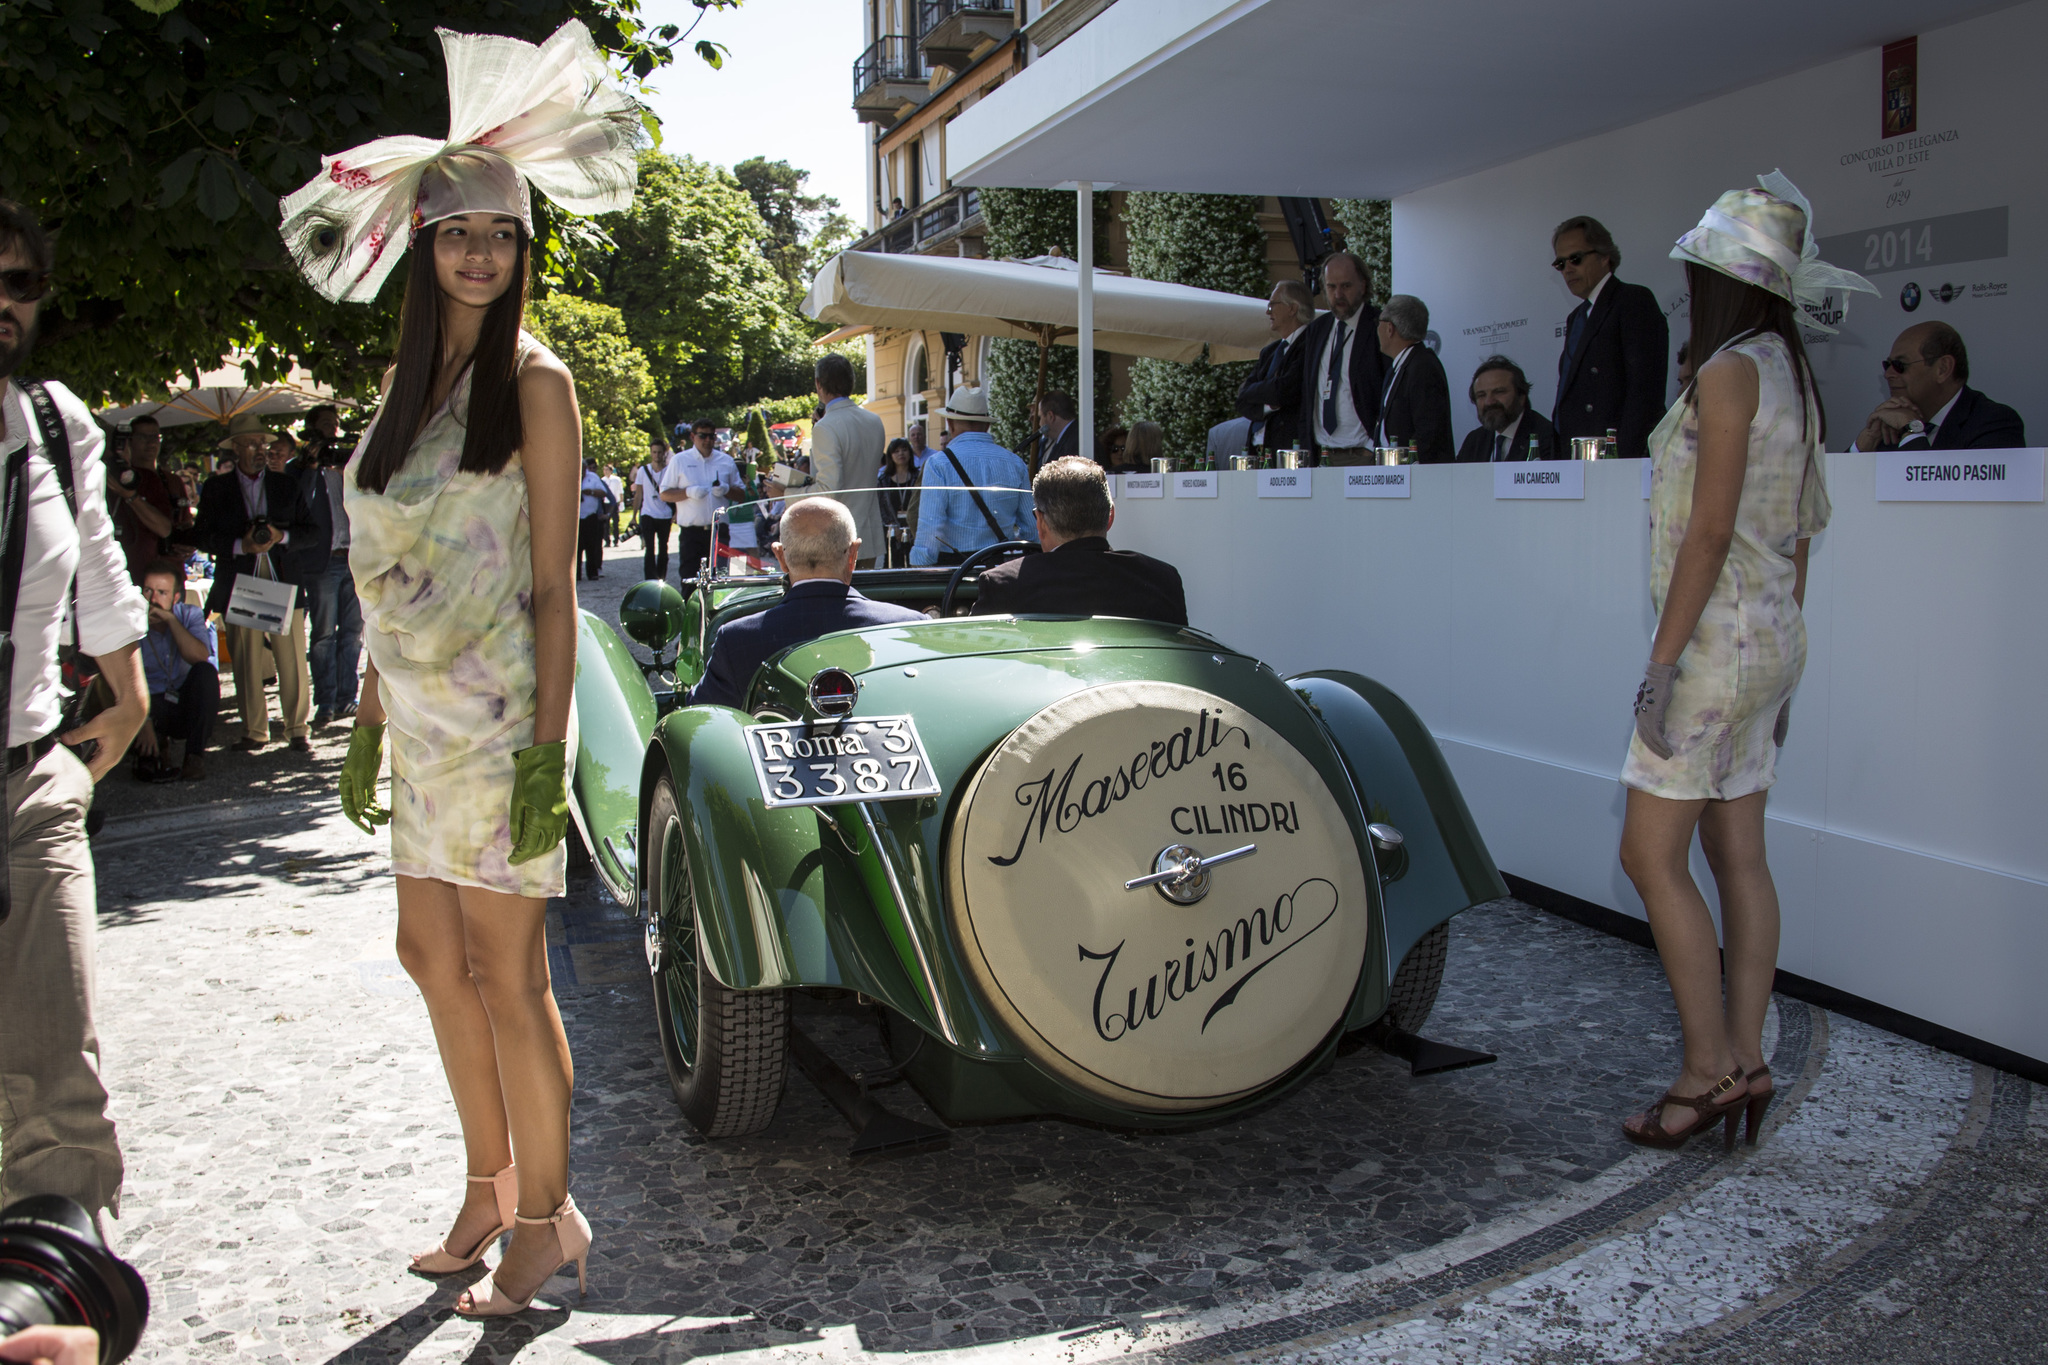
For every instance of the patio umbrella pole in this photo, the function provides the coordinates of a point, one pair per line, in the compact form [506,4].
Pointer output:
[1084,241]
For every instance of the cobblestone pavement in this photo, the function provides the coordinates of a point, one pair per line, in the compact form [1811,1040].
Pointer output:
[290,1139]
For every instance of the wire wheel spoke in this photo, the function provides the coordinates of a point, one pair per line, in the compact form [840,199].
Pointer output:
[679,934]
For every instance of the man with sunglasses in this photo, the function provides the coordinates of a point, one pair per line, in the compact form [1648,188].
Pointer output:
[1611,372]
[1932,406]
[697,483]
[56,1136]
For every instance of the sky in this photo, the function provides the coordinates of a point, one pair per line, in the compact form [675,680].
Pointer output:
[786,91]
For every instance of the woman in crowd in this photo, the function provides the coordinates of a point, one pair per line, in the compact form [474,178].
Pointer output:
[1109,451]
[1737,491]
[1146,443]
[899,481]
[462,504]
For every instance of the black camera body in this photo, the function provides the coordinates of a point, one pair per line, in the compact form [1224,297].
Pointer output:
[55,1272]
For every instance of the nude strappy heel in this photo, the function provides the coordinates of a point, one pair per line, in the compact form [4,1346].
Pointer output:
[442,1261]
[572,1238]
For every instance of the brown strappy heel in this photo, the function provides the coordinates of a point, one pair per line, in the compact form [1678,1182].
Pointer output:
[1711,1108]
[1758,1103]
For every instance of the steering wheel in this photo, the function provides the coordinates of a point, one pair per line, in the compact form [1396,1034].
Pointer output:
[1001,549]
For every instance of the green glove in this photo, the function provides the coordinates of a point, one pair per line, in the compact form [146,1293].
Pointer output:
[359,778]
[540,800]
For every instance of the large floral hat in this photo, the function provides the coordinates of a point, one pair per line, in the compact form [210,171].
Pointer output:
[1764,237]
[519,115]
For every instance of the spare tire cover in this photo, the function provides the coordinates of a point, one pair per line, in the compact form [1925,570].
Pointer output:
[1124,994]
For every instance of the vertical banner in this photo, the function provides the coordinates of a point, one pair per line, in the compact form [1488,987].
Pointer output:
[1901,66]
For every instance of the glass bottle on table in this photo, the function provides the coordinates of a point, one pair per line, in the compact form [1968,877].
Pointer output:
[1535,447]
[1612,450]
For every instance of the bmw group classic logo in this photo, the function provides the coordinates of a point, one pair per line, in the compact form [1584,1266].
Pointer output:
[1909,297]
[1134,995]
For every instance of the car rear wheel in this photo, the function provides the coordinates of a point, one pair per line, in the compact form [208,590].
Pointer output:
[1415,986]
[727,1051]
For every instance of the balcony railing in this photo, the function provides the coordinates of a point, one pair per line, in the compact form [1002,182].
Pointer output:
[891,59]
[953,30]
[932,13]
[950,214]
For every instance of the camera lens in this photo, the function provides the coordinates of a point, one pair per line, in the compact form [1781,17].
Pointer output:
[55,1271]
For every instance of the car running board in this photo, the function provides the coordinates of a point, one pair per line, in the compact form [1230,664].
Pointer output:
[876,1130]
[1426,1057]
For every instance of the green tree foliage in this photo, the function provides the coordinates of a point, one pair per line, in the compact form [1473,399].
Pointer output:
[614,391]
[156,140]
[1212,241]
[801,231]
[1369,230]
[1023,224]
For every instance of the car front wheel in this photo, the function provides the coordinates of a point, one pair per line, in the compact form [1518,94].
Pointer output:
[727,1051]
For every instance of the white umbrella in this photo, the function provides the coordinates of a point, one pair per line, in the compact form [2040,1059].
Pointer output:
[1037,300]
[221,394]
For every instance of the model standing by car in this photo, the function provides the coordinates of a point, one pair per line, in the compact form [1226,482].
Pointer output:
[1738,490]
[462,504]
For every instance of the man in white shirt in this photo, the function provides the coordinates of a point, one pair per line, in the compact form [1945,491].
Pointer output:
[57,1137]
[657,518]
[1343,369]
[595,508]
[614,532]
[697,483]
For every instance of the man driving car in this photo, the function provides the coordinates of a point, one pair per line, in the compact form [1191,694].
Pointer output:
[1079,574]
[817,550]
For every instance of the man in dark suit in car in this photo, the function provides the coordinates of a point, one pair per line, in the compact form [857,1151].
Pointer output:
[1079,575]
[1610,374]
[817,550]
[1932,406]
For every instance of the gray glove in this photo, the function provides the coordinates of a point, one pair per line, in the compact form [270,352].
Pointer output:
[1653,698]
[1784,724]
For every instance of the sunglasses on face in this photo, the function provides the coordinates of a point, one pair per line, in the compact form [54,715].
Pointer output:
[1896,366]
[1571,260]
[25,286]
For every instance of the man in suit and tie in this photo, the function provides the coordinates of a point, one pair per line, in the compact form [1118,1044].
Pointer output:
[846,450]
[1610,375]
[1415,398]
[249,520]
[1271,399]
[1058,437]
[818,551]
[1932,406]
[1341,374]
[1507,425]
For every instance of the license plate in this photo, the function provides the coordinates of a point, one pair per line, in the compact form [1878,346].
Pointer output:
[866,758]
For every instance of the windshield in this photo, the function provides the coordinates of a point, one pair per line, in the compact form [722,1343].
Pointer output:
[743,531]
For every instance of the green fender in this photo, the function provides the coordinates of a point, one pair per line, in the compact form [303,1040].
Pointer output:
[784,897]
[614,713]
[1403,781]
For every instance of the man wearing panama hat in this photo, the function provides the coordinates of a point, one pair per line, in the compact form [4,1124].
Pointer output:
[247,517]
[954,520]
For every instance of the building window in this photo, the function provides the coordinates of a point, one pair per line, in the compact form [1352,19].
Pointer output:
[917,377]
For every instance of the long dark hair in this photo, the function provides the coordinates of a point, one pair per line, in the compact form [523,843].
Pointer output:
[494,430]
[1724,308]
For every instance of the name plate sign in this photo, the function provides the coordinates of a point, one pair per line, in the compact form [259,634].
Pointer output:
[1378,481]
[1285,483]
[1144,485]
[1195,485]
[1540,479]
[1959,476]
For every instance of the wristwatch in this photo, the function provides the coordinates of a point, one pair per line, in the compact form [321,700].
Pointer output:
[1914,428]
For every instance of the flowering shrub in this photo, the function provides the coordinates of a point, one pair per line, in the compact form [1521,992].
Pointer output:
[1212,241]
[1022,224]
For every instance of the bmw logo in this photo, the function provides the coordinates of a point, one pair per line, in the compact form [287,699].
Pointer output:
[1909,297]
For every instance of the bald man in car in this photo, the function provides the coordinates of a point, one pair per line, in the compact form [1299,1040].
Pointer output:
[818,550]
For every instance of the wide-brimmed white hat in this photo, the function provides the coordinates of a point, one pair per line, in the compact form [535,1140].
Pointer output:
[969,403]
[1764,237]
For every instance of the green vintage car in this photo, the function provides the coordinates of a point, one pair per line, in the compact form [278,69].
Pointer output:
[1094,867]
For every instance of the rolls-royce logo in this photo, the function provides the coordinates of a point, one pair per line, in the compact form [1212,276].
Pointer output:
[1049,802]
[1214,971]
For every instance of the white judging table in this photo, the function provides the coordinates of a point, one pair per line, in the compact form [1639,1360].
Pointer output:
[1907,827]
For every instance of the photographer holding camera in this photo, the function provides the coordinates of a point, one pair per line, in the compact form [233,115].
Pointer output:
[149,505]
[249,516]
[56,1137]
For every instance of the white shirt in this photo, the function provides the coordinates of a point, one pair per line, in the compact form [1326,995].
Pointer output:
[1594,297]
[593,494]
[618,487]
[648,481]
[111,612]
[1350,430]
[704,478]
[1510,451]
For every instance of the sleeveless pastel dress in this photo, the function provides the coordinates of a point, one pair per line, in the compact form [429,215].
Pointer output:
[1747,653]
[443,565]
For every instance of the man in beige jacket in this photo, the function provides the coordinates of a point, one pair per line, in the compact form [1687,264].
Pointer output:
[846,451]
